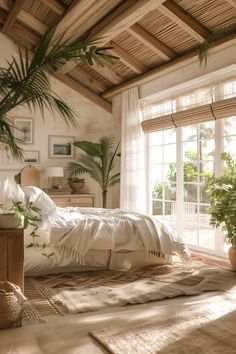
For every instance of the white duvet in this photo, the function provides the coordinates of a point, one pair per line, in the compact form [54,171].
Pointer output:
[75,231]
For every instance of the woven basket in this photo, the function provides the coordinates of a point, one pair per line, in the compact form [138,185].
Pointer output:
[10,309]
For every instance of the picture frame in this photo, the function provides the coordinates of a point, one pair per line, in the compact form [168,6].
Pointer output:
[60,146]
[24,130]
[31,157]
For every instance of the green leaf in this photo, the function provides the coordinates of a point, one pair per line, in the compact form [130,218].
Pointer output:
[92,149]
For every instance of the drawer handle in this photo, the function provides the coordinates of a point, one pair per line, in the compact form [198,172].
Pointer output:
[69,200]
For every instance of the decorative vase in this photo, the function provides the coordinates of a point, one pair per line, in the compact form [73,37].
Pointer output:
[232,256]
[9,221]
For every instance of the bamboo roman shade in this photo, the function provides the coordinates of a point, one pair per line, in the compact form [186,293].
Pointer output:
[216,110]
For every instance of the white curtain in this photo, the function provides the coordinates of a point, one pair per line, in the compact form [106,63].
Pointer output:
[133,181]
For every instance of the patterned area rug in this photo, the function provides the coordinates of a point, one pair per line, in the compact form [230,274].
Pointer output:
[95,290]
[206,328]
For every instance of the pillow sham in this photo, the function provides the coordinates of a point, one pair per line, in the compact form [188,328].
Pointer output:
[40,199]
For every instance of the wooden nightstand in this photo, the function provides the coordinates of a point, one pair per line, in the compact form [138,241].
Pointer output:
[12,256]
[75,200]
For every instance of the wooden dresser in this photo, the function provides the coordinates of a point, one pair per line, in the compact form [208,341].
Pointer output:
[12,256]
[75,200]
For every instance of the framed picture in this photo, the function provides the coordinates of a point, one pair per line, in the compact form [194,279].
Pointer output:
[31,157]
[24,129]
[60,146]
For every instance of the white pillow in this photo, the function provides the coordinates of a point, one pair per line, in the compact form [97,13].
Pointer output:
[10,192]
[39,199]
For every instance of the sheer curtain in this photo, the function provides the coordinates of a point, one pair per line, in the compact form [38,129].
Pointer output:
[133,179]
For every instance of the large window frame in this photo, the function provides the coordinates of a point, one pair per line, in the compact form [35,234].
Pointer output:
[220,248]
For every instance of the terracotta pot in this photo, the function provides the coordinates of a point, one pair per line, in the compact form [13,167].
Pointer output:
[232,256]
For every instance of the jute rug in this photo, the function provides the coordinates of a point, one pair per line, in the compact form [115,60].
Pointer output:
[95,290]
[208,328]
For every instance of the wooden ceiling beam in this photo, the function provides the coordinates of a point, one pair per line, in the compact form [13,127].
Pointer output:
[90,13]
[121,18]
[194,28]
[145,37]
[84,75]
[84,91]
[3,16]
[56,6]
[127,58]
[108,74]
[6,4]
[81,16]
[232,3]
[24,33]
[117,21]
[169,67]
[78,87]
[32,22]
[12,15]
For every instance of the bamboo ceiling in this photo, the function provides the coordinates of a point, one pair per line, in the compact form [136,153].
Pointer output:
[146,35]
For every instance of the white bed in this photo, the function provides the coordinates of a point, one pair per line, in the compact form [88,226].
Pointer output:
[92,238]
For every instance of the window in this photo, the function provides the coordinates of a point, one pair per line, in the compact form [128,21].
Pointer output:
[163,174]
[179,161]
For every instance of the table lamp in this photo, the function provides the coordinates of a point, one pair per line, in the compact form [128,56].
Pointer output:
[53,173]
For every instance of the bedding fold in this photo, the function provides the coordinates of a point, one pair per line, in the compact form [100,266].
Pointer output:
[76,230]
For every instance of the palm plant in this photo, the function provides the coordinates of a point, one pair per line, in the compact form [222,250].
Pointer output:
[25,81]
[214,36]
[97,162]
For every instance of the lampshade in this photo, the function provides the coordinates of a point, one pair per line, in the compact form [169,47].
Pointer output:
[54,172]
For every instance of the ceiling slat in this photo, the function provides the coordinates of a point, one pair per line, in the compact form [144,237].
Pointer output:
[151,42]
[12,16]
[128,59]
[194,28]
[56,6]
[232,3]
[107,73]
[171,66]
[80,73]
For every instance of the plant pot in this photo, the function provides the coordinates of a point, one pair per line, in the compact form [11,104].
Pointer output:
[9,221]
[76,186]
[232,256]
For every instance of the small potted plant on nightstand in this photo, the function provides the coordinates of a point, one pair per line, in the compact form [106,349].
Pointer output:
[76,184]
[222,194]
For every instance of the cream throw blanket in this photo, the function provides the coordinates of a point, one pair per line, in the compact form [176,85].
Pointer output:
[74,231]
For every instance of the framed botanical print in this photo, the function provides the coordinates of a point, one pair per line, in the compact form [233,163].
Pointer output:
[23,129]
[60,146]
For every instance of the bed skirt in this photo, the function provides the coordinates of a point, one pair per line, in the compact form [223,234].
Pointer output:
[37,264]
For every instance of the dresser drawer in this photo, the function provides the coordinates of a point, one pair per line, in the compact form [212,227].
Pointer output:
[82,200]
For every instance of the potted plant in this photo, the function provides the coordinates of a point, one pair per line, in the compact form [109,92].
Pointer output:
[76,184]
[222,195]
[23,215]
[97,162]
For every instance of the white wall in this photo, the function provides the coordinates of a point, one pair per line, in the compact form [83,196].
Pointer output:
[193,72]
[93,122]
